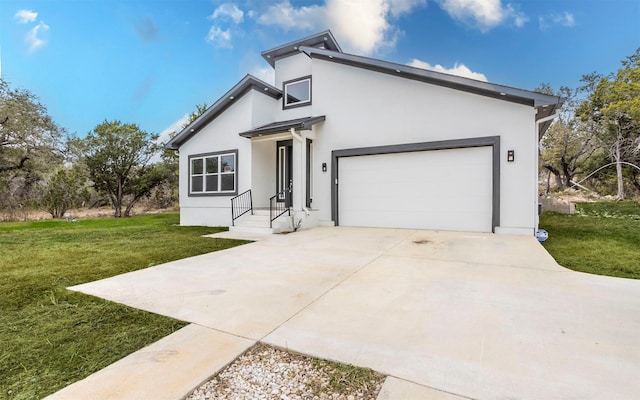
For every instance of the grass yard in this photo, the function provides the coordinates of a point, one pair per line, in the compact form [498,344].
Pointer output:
[50,336]
[602,238]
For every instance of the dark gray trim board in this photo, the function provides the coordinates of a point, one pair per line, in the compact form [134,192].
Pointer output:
[288,144]
[493,141]
[308,173]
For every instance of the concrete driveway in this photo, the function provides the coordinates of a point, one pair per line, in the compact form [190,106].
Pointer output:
[479,316]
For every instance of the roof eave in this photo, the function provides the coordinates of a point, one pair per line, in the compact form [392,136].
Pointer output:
[285,50]
[488,89]
[234,94]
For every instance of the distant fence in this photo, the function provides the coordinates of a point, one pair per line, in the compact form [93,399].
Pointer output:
[555,205]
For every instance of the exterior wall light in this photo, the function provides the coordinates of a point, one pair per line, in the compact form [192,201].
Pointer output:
[324,167]
[511,155]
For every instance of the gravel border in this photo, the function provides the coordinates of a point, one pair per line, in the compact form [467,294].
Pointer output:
[267,373]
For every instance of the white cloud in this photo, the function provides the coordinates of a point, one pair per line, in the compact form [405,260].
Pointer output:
[366,32]
[25,16]
[483,14]
[458,69]
[565,19]
[219,37]
[519,18]
[266,74]
[228,10]
[362,26]
[33,37]
[399,7]
[175,127]
[288,17]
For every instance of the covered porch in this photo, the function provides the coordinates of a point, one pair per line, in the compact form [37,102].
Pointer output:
[281,178]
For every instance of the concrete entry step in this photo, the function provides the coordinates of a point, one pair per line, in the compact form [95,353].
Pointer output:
[260,230]
[259,223]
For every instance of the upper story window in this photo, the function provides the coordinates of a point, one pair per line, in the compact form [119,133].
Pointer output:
[214,173]
[297,92]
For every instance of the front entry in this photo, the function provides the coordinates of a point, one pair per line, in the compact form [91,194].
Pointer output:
[284,172]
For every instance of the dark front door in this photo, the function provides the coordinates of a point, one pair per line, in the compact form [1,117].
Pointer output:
[284,171]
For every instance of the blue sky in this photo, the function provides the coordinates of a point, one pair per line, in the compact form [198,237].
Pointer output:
[151,61]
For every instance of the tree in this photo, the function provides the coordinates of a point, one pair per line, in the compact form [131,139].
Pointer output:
[65,190]
[200,109]
[614,103]
[569,142]
[118,157]
[27,133]
[30,147]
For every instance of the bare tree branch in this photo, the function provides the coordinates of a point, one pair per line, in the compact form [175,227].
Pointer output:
[20,165]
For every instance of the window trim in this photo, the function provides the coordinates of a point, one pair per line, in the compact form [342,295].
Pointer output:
[286,106]
[203,156]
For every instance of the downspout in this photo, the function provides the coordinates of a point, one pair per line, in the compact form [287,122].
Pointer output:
[543,120]
[300,139]
[538,138]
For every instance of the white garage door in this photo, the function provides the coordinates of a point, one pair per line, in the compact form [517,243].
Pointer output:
[437,189]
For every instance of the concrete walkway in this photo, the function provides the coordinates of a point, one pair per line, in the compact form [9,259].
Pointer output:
[446,315]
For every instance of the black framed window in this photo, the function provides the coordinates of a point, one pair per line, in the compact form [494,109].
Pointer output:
[213,173]
[297,92]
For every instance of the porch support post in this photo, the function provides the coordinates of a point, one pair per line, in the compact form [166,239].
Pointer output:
[299,171]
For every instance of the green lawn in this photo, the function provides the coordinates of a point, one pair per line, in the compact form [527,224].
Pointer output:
[602,238]
[50,336]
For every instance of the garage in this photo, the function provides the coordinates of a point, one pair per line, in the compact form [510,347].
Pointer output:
[434,188]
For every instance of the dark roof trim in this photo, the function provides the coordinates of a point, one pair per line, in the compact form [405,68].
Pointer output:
[323,39]
[300,124]
[507,93]
[234,94]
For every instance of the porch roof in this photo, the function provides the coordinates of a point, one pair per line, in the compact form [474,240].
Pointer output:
[300,124]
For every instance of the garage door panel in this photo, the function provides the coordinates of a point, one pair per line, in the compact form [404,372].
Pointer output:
[439,189]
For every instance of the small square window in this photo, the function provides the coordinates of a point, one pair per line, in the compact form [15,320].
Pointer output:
[297,92]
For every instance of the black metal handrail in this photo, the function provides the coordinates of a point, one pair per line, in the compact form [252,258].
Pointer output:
[277,208]
[240,205]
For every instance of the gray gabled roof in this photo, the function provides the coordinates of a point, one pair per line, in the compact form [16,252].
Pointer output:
[247,83]
[522,96]
[319,40]
[301,124]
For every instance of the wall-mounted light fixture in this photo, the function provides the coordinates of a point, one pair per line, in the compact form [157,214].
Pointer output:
[511,155]
[324,167]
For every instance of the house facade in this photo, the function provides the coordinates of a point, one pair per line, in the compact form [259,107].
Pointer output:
[347,140]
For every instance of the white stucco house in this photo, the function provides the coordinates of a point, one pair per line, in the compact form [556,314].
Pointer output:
[353,141]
